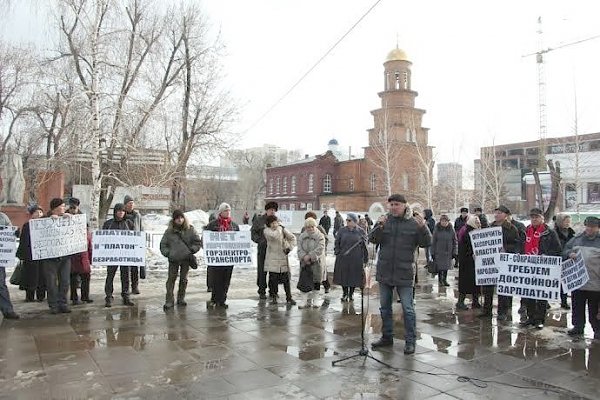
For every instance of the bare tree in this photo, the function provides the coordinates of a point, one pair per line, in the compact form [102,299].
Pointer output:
[492,177]
[385,152]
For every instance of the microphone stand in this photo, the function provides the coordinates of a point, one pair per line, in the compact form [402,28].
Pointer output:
[364,351]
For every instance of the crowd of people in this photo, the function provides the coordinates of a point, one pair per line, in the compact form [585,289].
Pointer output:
[397,235]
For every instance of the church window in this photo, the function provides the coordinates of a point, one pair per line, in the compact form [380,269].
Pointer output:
[278,185]
[310,183]
[405,80]
[372,181]
[284,184]
[271,186]
[351,184]
[293,188]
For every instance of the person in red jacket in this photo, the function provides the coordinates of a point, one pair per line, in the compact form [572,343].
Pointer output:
[80,273]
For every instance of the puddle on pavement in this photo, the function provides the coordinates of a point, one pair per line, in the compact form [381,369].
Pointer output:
[308,353]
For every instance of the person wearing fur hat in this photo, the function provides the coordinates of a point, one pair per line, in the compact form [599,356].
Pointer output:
[134,216]
[513,243]
[34,282]
[311,251]
[118,222]
[466,276]
[179,243]
[220,276]
[444,248]
[398,235]
[57,271]
[324,273]
[258,237]
[280,242]
[351,254]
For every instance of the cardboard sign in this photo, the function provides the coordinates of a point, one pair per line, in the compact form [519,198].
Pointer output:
[118,247]
[57,237]
[574,273]
[530,276]
[486,244]
[8,246]
[227,248]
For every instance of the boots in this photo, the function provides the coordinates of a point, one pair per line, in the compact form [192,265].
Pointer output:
[460,304]
[384,341]
[29,296]
[326,286]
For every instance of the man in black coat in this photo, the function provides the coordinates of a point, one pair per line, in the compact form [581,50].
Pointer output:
[462,219]
[325,222]
[482,217]
[258,237]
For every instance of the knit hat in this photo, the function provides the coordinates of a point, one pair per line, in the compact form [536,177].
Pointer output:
[118,207]
[33,208]
[354,218]
[591,221]
[272,205]
[224,207]
[536,211]
[177,214]
[73,201]
[310,222]
[464,209]
[127,199]
[56,202]
[397,197]
[503,209]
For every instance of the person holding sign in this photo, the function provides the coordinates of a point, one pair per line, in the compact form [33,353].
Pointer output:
[34,282]
[539,239]
[562,227]
[5,304]
[398,235]
[280,242]
[588,243]
[220,276]
[179,244]
[512,243]
[118,222]
[466,276]
[57,270]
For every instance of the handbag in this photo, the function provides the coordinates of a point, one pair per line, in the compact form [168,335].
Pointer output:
[17,276]
[192,260]
[305,280]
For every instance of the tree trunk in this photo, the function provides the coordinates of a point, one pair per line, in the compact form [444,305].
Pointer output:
[555,178]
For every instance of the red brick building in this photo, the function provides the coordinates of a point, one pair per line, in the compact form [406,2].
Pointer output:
[398,158]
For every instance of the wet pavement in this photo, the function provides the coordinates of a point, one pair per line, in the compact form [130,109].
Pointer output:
[255,350]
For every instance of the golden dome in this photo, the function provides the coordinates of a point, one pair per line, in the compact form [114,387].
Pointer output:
[397,55]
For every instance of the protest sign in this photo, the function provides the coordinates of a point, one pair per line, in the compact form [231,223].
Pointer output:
[227,248]
[57,237]
[486,243]
[285,217]
[8,246]
[574,273]
[118,247]
[528,275]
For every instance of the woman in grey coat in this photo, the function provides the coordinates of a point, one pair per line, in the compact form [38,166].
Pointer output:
[311,247]
[351,254]
[444,247]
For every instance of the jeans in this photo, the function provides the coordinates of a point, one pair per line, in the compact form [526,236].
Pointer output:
[58,279]
[5,304]
[408,310]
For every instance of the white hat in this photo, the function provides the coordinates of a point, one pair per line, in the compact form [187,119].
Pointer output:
[224,207]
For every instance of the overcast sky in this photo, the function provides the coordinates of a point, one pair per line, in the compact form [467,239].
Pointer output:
[467,67]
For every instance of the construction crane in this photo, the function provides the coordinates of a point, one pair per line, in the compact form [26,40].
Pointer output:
[539,58]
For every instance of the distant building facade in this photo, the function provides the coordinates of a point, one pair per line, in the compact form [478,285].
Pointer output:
[398,157]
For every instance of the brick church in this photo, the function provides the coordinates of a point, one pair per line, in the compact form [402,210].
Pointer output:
[398,158]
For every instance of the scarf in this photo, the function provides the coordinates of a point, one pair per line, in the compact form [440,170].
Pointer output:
[532,239]
[224,224]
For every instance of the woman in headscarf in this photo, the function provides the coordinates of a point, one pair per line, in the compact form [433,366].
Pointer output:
[220,276]
[351,254]
[324,274]
[311,245]
[444,248]
[280,242]
[466,276]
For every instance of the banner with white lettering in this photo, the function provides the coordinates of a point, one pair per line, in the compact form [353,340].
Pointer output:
[529,275]
[574,273]
[8,246]
[227,248]
[486,244]
[285,217]
[58,237]
[118,247]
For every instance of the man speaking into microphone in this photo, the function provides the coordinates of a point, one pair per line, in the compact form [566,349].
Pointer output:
[398,234]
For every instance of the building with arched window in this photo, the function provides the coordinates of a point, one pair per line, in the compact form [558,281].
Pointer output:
[398,158]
